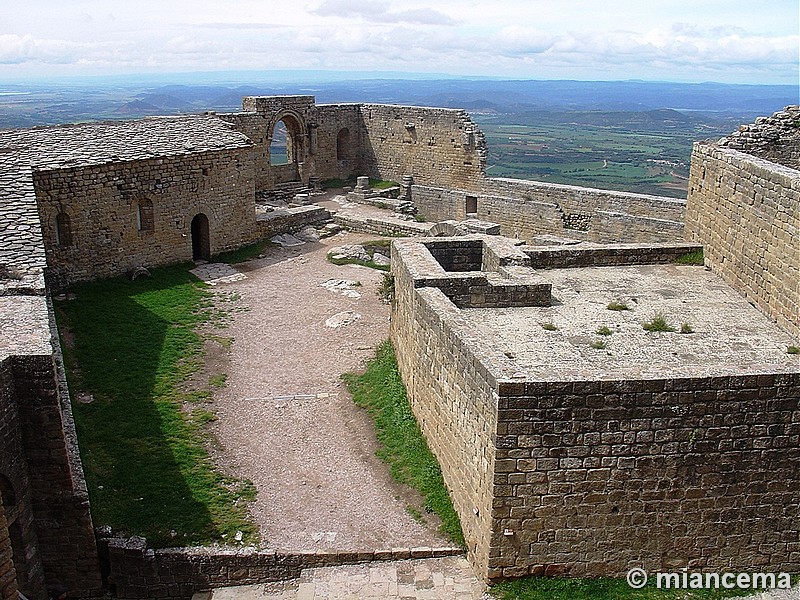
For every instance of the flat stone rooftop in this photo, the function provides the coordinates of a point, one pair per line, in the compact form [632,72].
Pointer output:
[729,337]
[24,326]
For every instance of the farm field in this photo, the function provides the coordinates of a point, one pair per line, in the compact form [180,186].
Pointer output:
[646,152]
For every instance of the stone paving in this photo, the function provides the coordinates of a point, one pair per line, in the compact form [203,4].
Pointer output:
[216,273]
[434,579]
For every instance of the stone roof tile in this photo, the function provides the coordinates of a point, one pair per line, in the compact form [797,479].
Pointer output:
[65,146]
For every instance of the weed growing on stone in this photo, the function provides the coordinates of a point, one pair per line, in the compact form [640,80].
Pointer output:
[147,467]
[380,390]
[386,288]
[616,305]
[686,328]
[793,350]
[691,258]
[603,331]
[599,344]
[549,326]
[657,323]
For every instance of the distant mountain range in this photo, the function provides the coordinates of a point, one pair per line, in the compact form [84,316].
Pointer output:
[28,104]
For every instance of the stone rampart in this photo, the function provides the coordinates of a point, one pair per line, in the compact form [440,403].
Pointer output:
[745,211]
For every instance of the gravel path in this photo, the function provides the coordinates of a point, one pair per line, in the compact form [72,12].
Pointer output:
[285,420]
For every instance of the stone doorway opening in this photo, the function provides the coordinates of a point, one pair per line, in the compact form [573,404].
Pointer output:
[201,242]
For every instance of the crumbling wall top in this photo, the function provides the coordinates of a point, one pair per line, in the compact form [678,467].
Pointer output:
[775,138]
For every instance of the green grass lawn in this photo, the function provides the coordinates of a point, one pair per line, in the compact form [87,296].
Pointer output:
[554,588]
[135,345]
[380,390]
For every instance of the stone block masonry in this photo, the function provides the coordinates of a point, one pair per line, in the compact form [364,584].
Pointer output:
[746,212]
[525,209]
[599,465]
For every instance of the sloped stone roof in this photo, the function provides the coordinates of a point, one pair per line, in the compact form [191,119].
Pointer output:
[65,146]
[22,256]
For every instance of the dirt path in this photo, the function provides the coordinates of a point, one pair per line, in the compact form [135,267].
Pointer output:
[285,420]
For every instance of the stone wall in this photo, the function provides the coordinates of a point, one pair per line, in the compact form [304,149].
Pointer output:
[525,209]
[590,477]
[136,571]
[107,233]
[8,575]
[745,211]
[775,138]
[437,146]
[340,140]
[595,477]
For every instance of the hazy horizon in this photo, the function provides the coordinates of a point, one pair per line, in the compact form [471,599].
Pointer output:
[681,41]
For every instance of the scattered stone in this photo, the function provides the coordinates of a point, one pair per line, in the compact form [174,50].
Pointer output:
[216,273]
[343,287]
[381,260]
[308,234]
[350,252]
[342,319]
[286,240]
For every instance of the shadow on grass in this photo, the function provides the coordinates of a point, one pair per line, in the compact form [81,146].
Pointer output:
[146,465]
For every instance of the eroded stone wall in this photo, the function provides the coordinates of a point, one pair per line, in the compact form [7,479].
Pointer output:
[745,211]
[107,234]
[775,138]
[8,575]
[437,146]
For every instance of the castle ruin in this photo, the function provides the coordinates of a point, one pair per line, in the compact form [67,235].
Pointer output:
[554,467]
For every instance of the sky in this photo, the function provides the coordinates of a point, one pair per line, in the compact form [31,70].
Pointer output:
[727,41]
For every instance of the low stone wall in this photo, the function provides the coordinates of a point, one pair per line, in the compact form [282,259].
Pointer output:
[525,209]
[293,219]
[136,571]
[745,211]
[560,257]
[381,226]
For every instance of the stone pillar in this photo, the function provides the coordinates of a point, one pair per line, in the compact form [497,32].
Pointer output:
[362,184]
[405,192]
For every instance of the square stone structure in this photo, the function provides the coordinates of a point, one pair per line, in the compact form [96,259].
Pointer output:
[570,452]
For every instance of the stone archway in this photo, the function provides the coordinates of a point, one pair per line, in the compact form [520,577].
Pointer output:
[201,239]
[288,147]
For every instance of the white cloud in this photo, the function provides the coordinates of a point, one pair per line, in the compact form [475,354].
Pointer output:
[683,40]
[378,11]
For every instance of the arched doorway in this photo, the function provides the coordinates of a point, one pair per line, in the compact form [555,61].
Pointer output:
[201,242]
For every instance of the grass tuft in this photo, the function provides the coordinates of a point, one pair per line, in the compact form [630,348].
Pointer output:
[603,330]
[686,328]
[793,350]
[380,390]
[657,323]
[599,344]
[615,305]
[147,467]
[549,326]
